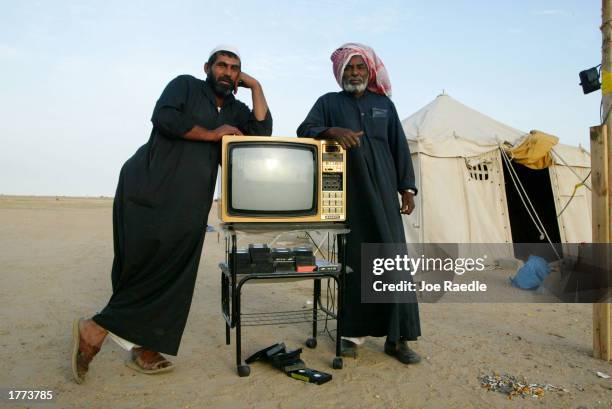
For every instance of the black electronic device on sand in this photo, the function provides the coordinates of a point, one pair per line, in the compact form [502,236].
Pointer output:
[290,363]
[310,376]
[266,353]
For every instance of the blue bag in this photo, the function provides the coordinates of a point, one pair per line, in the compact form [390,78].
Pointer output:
[531,275]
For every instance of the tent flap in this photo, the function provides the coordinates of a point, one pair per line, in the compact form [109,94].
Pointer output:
[534,150]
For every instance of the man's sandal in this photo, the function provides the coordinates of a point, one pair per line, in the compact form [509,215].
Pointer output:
[160,365]
[82,353]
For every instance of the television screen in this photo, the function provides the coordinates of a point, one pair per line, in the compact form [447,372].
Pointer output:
[272,179]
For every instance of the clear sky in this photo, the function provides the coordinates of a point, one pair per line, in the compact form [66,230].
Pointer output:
[80,79]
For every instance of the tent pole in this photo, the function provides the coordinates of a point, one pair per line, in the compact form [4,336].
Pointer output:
[600,163]
[601,144]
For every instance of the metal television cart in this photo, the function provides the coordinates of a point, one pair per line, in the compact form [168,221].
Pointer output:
[232,285]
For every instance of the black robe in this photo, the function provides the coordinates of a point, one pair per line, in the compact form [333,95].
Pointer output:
[376,171]
[160,210]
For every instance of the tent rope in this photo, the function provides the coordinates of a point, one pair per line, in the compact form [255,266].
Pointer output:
[572,169]
[507,161]
[539,225]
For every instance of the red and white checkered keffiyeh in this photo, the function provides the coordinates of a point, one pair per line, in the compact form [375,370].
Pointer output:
[379,78]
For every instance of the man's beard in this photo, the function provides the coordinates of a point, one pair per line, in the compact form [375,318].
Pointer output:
[219,88]
[354,88]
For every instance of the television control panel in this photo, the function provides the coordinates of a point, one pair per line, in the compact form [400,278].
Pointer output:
[332,183]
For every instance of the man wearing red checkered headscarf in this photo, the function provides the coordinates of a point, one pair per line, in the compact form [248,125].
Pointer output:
[363,120]
[378,80]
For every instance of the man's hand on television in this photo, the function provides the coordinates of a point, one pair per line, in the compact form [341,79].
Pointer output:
[407,202]
[345,137]
[225,130]
[198,133]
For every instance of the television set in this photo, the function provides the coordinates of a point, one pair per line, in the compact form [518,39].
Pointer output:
[282,179]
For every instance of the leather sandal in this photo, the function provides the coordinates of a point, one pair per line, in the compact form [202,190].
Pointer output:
[82,353]
[158,365]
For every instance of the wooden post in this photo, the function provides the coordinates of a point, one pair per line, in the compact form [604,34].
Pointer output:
[601,166]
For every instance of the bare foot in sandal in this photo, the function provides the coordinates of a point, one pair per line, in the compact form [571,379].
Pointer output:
[87,338]
[149,362]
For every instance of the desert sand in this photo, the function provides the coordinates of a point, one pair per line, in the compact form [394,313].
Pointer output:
[55,259]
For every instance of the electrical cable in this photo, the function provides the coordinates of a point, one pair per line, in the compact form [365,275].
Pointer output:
[574,194]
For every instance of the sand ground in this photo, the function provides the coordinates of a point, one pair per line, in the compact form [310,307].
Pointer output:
[55,258]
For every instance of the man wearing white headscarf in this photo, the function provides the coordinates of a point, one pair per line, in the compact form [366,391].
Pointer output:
[363,120]
[161,206]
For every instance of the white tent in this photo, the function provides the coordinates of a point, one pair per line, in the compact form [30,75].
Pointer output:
[462,188]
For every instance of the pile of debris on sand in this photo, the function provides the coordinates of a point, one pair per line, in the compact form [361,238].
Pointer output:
[515,386]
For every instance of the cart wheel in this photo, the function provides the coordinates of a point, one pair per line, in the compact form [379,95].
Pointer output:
[244,370]
[337,363]
[311,343]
